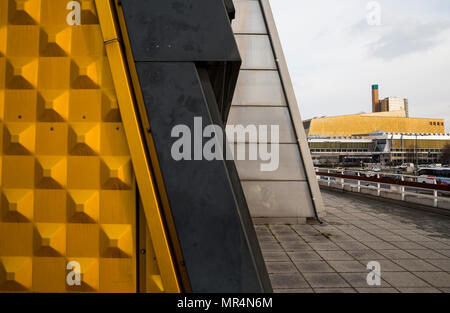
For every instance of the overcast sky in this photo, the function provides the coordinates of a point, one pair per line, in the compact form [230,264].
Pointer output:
[334,55]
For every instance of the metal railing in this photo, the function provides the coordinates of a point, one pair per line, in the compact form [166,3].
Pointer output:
[386,185]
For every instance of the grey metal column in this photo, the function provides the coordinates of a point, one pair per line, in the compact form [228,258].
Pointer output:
[187,63]
[265,96]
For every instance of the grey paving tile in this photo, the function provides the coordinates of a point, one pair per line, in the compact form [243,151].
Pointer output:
[392,238]
[304,256]
[261,229]
[444,252]
[360,280]
[379,245]
[347,266]
[288,237]
[420,238]
[435,245]
[280,228]
[427,254]
[313,267]
[416,265]
[288,281]
[304,228]
[341,238]
[275,256]
[280,267]
[436,279]
[303,290]
[443,264]
[396,254]
[386,265]
[334,290]
[403,279]
[365,239]
[377,290]
[270,246]
[407,245]
[352,245]
[317,238]
[443,240]
[267,239]
[319,246]
[335,255]
[446,290]
[325,280]
[366,255]
[295,245]
[419,290]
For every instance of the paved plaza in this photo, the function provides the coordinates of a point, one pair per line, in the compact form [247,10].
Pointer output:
[412,247]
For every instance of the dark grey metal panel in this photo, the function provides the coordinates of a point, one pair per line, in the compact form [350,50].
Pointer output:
[180,30]
[218,254]
[187,64]
[187,30]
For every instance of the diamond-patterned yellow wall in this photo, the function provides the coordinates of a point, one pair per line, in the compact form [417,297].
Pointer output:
[67,185]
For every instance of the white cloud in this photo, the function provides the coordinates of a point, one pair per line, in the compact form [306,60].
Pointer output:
[334,56]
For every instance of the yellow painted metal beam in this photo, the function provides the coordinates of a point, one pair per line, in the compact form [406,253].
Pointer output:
[135,139]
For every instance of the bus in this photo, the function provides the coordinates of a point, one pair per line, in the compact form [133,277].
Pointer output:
[429,175]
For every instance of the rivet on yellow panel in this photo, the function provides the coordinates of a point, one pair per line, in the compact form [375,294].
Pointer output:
[85,106]
[114,140]
[20,106]
[51,138]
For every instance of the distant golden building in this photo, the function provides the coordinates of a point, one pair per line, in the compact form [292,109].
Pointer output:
[388,115]
[392,122]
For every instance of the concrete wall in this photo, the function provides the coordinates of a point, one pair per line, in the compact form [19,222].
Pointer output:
[264,96]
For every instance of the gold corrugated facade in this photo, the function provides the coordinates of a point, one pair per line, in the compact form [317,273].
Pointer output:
[348,125]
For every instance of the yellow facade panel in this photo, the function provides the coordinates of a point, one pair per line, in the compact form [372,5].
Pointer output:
[68,191]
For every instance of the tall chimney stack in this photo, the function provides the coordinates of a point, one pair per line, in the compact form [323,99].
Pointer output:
[375,99]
